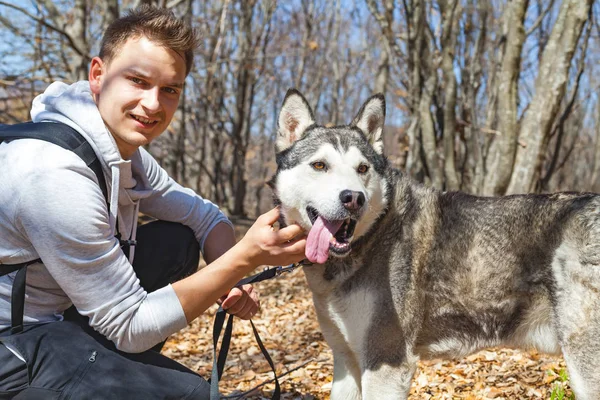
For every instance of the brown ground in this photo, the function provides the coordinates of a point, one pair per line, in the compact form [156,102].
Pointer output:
[289,329]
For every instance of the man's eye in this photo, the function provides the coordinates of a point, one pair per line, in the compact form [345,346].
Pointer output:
[135,80]
[362,169]
[319,165]
[170,90]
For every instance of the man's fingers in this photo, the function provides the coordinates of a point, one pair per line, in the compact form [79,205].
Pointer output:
[232,298]
[289,232]
[248,288]
[249,310]
[251,307]
[296,246]
[239,305]
[254,296]
[271,216]
[242,302]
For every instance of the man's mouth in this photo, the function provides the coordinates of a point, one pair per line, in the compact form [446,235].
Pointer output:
[144,121]
[328,236]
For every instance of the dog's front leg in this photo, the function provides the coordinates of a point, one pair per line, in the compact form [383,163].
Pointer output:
[388,382]
[346,377]
[346,369]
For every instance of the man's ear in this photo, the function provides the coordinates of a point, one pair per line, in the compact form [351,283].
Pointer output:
[370,119]
[295,116]
[96,74]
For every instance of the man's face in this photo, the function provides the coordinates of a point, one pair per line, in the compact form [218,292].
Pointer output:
[137,92]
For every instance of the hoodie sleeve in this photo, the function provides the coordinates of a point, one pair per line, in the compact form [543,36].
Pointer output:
[62,212]
[172,202]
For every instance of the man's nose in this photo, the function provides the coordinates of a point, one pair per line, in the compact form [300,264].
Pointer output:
[151,100]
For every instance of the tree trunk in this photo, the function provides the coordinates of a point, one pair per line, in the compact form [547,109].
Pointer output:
[385,22]
[308,8]
[502,150]
[544,182]
[474,161]
[550,88]
[428,133]
[595,184]
[449,12]
[249,43]
[383,70]
[77,30]
[111,12]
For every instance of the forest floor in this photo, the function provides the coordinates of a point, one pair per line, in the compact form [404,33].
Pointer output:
[289,330]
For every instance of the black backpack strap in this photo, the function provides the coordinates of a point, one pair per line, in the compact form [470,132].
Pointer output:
[67,138]
[17,299]
[61,135]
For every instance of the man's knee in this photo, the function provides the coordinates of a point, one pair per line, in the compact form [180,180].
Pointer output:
[170,236]
[162,246]
[184,242]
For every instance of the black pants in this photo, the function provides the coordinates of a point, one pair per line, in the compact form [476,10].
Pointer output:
[69,360]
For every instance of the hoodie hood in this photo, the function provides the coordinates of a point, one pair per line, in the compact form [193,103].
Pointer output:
[126,180]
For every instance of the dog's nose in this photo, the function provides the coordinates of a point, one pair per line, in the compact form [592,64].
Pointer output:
[352,200]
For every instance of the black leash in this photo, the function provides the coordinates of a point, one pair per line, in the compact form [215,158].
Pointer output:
[219,361]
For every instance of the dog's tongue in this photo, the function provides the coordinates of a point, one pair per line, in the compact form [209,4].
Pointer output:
[317,243]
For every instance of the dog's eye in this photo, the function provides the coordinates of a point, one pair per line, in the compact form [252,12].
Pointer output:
[362,169]
[319,165]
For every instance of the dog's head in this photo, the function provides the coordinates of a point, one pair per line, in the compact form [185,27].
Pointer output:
[331,181]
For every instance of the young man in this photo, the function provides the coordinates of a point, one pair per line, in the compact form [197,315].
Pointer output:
[52,208]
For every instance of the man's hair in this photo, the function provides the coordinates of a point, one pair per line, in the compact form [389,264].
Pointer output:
[159,25]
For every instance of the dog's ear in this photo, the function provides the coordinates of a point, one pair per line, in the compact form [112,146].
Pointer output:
[295,116]
[370,119]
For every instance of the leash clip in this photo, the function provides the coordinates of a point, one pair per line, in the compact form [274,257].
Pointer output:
[127,242]
[287,269]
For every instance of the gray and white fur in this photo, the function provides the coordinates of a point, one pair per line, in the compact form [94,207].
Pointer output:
[429,274]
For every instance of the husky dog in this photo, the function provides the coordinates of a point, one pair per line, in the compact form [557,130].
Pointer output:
[404,272]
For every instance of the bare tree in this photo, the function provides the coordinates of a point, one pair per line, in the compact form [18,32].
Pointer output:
[503,146]
[560,129]
[109,13]
[71,28]
[550,88]
[595,176]
[475,40]
[450,10]
[480,146]
[487,96]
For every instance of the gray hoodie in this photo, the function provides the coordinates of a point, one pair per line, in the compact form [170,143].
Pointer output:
[51,207]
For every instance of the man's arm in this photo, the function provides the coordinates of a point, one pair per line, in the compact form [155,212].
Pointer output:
[243,301]
[220,239]
[172,202]
[260,246]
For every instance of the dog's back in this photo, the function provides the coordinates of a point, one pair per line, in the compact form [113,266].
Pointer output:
[492,270]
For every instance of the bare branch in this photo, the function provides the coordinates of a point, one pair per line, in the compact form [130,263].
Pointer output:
[42,21]
[539,19]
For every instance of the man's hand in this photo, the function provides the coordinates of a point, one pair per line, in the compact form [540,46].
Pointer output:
[242,302]
[262,245]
